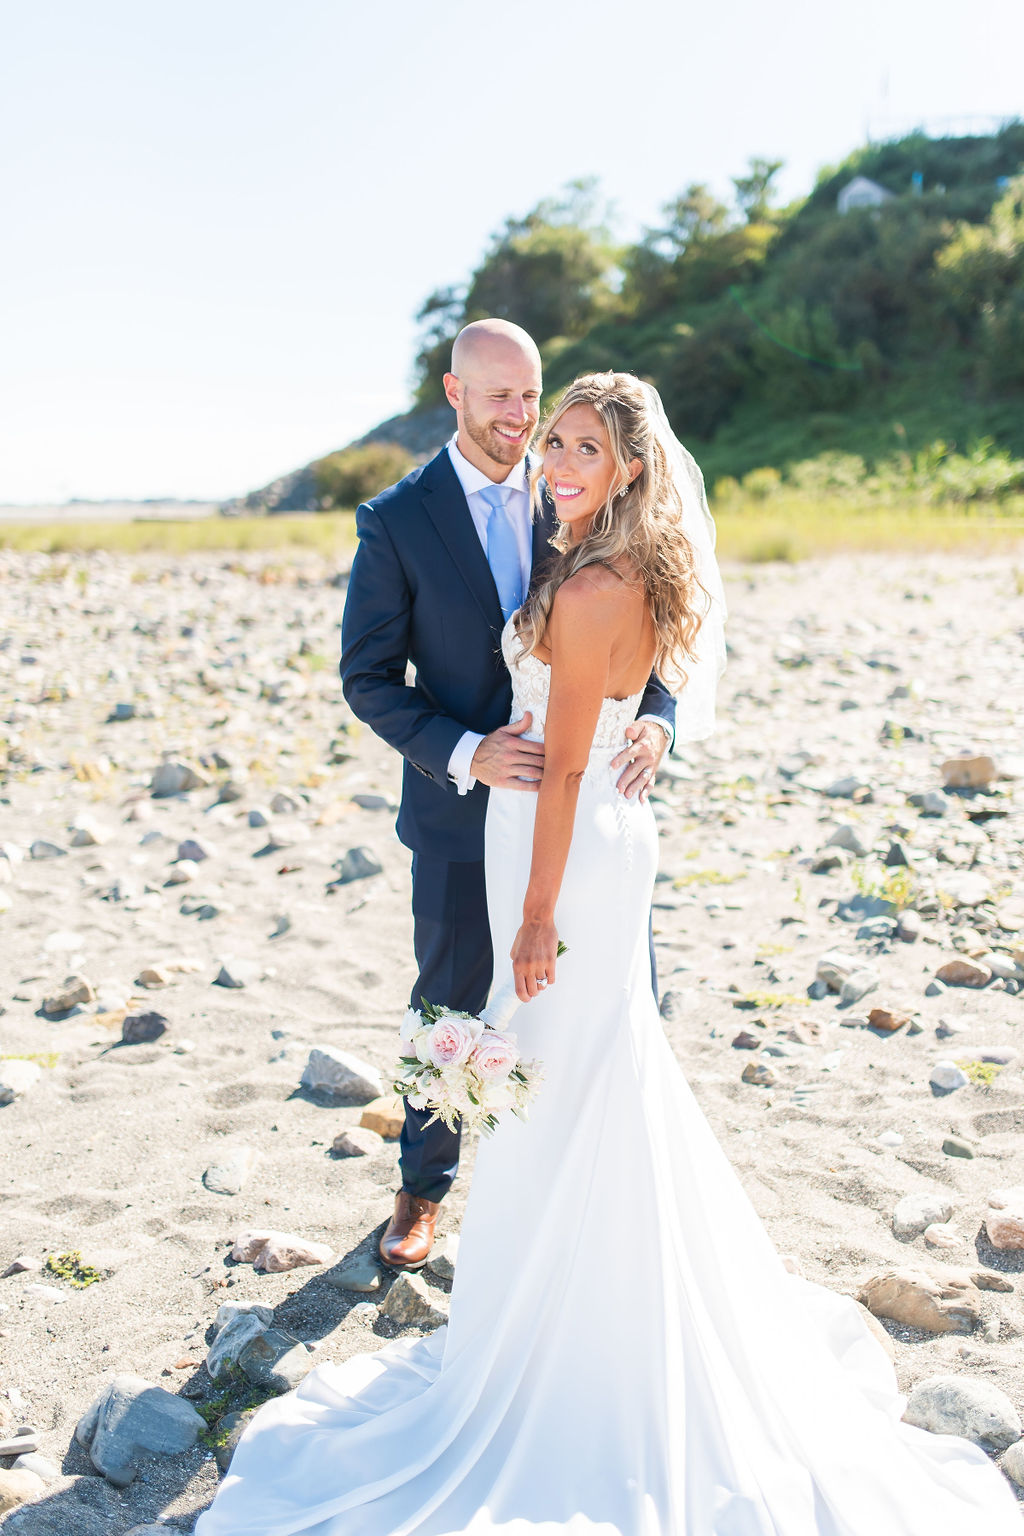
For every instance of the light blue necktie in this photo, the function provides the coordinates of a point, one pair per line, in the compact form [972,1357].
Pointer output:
[503,549]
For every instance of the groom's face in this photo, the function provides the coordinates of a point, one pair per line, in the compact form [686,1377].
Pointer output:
[497,399]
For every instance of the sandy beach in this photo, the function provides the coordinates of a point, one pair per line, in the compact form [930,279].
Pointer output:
[183,799]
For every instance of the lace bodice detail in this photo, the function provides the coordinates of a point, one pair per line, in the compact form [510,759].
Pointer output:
[531,686]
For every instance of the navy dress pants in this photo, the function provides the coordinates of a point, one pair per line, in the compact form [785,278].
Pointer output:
[452,940]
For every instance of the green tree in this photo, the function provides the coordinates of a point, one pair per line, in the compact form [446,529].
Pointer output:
[352,475]
[754,191]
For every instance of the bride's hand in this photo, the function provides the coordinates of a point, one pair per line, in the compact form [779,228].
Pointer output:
[533,958]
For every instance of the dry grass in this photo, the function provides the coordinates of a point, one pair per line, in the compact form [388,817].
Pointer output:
[791,528]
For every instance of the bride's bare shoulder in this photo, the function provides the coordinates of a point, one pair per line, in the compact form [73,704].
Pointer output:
[597,585]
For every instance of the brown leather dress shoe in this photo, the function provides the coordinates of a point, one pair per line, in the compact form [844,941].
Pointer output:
[409,1237]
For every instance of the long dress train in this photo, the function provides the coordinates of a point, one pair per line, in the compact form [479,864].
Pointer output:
[626,1354]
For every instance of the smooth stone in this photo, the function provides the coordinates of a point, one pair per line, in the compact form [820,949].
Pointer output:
[834,967]
[141,1028]
[968,772]
[258,816]
[41,849]
[182,872]
[939,1235]
[229,1173]
[24,1442]
[275,1359]
[195,849]
[237,973]
[890,1139]
[233,1334]
[357,864]
[935,988]
[386,1116]
[131,1417]
[937,1303]
[963,1405]
[947,1075]
[759,1073]
[368,802]
[154,976]
[358,1274]
[958,1146]
[897,855]
[908,927]
[410,1303]
[16,1078]
[40,1465]
[284,804]
[932,803]
[357,1141]
[172,777]
[277,1251]
[888,1020]
[86,833]
[19,1487]
[331,1070]
[915,1212]
[849,787]
[23,1264]
[1013,1463]
[1004,1220]
[826,863]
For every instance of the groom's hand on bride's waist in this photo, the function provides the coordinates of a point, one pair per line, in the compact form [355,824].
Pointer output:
[638,763]
[505,761]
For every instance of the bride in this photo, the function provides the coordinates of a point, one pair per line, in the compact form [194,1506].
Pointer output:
[626,1353]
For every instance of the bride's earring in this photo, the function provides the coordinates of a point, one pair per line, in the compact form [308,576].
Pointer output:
[622,493]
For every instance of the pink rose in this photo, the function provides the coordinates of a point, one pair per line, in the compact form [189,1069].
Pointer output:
[495,1056]
[449,1043]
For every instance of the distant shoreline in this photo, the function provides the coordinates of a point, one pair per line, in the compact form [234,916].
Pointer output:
[108,511]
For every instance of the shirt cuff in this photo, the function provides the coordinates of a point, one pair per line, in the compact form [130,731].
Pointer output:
[657,720]
[461,761]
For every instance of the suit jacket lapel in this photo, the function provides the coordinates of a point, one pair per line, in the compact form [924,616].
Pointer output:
[446,506]
[544,527]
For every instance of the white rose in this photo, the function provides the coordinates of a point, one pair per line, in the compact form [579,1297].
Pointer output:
[410,1024]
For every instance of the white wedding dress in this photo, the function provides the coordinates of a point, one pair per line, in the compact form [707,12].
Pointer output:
[626,1354]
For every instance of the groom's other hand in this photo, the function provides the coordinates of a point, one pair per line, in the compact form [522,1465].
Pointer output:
[639,761]
[505,761]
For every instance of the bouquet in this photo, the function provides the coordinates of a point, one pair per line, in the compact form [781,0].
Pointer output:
[466,1066]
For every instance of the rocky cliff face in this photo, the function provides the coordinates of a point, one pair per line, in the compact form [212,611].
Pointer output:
[420,433]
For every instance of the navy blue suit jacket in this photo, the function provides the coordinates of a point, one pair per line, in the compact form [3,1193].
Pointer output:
[421,591]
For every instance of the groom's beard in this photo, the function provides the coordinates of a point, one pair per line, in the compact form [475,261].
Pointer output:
[487,438]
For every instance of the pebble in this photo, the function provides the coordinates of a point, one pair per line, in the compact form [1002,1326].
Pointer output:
[1013,1463]
[958,1146]
[42,1466]
[745,1041]
[237,973]
[915,1212]
[23,1264]
[963,1405]
[938,1235]
[848,837]
[968,772]
[759,1073]
[826,863]
[16,1078]
[887,1019]
[444,1256]
[357,1141]
[374,802]
[195,850]
[346,1076]
[410,1303]
[949,1025]
[236,1325]
[277,1251]
[74,993]
[897,855]
[948,1076]
[1004,1220]
[890,1139]
[933,803]
[849,787]
[229,1173]
[141,1028]
[963,973]
[834,967]
[358,1274]
[132,1417]
[357,864]
[41,849]
[154,976]
[285,804]
[172,777]
[86,833]
[182,872]
[858,985]
[258,816]
[230,1430]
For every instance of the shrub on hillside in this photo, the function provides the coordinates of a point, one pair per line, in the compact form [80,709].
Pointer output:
[353,475]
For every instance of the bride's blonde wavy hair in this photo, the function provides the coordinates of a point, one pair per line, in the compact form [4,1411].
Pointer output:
[643,527]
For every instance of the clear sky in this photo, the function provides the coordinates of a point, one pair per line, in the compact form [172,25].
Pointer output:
[220,216]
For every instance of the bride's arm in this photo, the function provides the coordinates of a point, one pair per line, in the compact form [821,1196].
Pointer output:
[580,632]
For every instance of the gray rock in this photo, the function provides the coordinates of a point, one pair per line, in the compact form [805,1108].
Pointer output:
[357,864]
[849,787]
[908,927]
[444,1257]
[834,967]
[1013,1463]
[915,1212]
[358,1274]
[859,909]
[123,711]
[230,1430]
[846,836]
[275,1359]
[828,862]
[259,816]
[932,803]
[230,791]
[182,872]
[877,930]
[411,1304]
[41,849]
[195,849]
[237,973]
[935,988]
[172,777]
[16,1078]
[897,855]
[331,1070]
[130,1417]
[357,1141]
[958,1146]
[141,1028]
[858,985]
[234,1331]
[374,802]
[229,1173]
[40,1465]
[948,1076]
[86,833]
[285,804]
[963,1405]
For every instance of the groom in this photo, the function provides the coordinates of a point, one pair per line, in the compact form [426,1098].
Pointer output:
[444,558]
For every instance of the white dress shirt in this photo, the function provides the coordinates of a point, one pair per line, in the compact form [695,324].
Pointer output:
[473,481]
